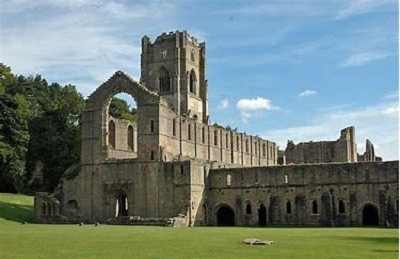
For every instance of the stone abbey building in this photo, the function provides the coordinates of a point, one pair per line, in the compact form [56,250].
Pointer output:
[172,167]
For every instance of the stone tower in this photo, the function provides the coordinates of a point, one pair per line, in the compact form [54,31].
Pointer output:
[174,67]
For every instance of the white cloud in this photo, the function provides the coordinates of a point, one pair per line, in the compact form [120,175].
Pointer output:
[362,59]
[307,93]
[379,123]
[391,112]
[358,7]
[224,104]
[250,108]
[258,103]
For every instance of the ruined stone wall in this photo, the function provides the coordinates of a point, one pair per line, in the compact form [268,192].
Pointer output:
[122,149]
[343,149]
[356,184]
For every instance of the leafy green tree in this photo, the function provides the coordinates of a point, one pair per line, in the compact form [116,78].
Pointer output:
[14,139]
[121,110]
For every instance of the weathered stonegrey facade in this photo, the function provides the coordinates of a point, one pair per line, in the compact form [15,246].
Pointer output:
[172,167]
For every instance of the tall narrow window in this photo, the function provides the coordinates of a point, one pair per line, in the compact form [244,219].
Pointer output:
[152,155]
[341,207]
[228,180]
[189,132]
[215,137]
[248,208]
[111,134]
[255,147]
[130,138]
[164,80]
[263,150]
[192,82]
[226,140]
[238,142]
[203,137]
[151,126]
[314,207]
[173,127]
[247,145]
[288,208]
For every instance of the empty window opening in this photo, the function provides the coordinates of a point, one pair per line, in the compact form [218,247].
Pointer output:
[227,140]
[341,206]
[263,148]
[237,143]
[215,138]
[192,82]
[182,169]
[151,126]
[189,132]
[262,215]
[130,138]
[286,179]
[248,208]
[152,155]
[203,137]
[111,134]
[288,208]
[314,206]
[255,147]
[164,80]
[173,127]
[247,145]
[228,180]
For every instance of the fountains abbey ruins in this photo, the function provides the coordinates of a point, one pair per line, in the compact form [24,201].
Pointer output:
[171,167]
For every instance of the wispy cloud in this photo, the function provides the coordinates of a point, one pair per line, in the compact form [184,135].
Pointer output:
[363,58]
[379,123]
[307,93]
[358,7]
[82,42]
[223,104]
[254,107]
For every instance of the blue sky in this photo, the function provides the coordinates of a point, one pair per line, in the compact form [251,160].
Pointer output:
[299,70]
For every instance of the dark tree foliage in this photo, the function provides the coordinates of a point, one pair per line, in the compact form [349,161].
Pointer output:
[54,125]
[120,109]
[14,139]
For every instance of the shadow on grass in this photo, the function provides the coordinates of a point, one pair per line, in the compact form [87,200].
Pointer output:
[376,240]
[385,251]
[16,212]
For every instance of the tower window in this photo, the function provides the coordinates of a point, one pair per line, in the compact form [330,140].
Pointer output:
[151,126]
[189,132]
[192,56]
[192,82]
[237,143]
[203,138]
[163,54]
[263,150]
[228,180]
[215,138]
[227,140]
[164,80]
[152,155]
[247,145]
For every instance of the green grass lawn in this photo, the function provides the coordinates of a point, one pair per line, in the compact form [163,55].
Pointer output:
[71,241]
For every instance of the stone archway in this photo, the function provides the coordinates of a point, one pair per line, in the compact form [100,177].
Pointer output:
[370,216]
[121,204]
[262,215]
[225,216]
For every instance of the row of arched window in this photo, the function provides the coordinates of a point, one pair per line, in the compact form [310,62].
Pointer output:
[112,136]
[164,81]
[203,139]
[314,209]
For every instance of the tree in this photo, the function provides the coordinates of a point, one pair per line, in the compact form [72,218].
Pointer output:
[14,139]
[121,110]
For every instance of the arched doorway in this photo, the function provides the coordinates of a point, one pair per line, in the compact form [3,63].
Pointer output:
[225,216]
[370,215]
[121,204]
[262,215]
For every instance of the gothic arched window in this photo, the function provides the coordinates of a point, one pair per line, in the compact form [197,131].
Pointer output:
[164,80]
[288,208]
[192,82]
[342,208]
[314,207]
